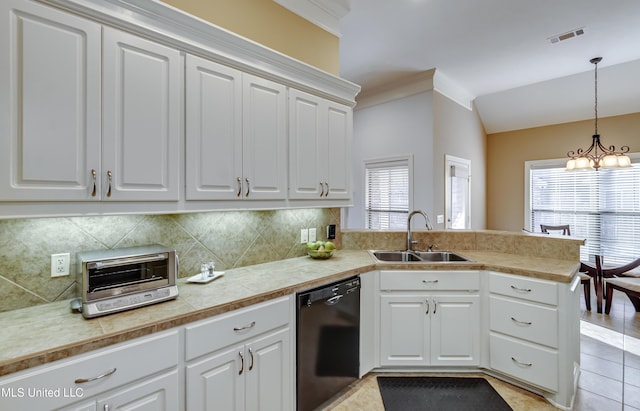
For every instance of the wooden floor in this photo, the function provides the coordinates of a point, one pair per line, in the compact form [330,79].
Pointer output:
[609,363]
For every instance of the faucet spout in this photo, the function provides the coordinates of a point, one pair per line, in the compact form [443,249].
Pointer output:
[410,241]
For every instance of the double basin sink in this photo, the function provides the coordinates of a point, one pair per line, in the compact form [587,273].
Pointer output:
[417,256]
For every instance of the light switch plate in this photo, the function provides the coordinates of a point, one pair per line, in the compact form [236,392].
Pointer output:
[312,234]
[440,219]
[304,236]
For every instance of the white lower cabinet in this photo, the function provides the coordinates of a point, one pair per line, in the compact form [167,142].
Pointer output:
[241,360]
[141,374]
[534,333]
[429,318]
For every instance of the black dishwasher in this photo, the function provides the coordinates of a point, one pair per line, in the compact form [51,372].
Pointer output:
[327,341]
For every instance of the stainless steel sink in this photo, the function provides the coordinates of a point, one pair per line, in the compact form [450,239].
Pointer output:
[401,256]
[417,256]
[440,256]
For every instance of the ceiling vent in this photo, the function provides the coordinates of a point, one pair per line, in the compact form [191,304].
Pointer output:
[566,36]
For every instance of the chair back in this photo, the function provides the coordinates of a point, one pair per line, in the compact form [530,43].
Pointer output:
[563,228]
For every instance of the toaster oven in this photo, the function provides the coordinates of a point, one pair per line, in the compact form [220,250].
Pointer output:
[121,279]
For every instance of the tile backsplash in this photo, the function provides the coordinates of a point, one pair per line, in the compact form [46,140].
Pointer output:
[230,238]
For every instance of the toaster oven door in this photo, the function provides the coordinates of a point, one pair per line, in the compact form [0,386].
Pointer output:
[110,278]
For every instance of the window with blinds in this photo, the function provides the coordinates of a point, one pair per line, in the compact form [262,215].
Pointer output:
[387,194]
[602,206]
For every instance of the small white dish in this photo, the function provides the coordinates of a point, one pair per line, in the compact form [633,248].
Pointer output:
[198,278]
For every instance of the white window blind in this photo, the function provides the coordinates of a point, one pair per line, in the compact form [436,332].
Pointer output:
[387,194]
[602,206]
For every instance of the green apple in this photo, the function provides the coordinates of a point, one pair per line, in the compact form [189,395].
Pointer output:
[328,245]
[312,246]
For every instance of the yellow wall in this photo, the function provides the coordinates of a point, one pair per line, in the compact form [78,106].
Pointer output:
[507,152]
[271,25]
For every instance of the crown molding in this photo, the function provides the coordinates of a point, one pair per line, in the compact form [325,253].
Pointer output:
[325,14]
[401,87]
[169,25]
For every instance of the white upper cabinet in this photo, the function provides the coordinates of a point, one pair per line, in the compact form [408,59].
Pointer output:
[214,130]
[320,147]
[88,113]
[49,103]
[142,89]
[236,134]
[264,121]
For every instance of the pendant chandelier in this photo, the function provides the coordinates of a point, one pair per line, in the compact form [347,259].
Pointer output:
[597,156]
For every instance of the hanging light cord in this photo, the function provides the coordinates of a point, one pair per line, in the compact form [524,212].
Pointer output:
[596,97]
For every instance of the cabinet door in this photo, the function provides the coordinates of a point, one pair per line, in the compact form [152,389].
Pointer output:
[338,146]
[404,325]
[264,159]
[155,394]
[269,374]
[214,130]
[217,382]
[142,94]
[307,145]
[455,330]
[49,103]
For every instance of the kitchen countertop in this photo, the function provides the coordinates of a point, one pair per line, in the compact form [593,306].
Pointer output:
[49,332]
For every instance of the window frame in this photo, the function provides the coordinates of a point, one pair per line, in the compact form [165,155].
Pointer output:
[407,160]
[600,243]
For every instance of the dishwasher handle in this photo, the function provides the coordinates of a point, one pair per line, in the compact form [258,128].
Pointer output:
[334,300]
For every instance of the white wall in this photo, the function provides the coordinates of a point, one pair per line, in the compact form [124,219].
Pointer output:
[399,127]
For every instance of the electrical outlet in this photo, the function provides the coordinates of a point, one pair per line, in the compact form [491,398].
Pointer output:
[60,264]
[304,236]
[440,219]
[312,234]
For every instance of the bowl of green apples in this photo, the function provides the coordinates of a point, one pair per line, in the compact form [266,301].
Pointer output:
[320,250]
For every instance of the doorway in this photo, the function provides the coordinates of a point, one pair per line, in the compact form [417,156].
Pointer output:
[457,193]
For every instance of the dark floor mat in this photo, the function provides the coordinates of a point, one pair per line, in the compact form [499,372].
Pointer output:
[439,394]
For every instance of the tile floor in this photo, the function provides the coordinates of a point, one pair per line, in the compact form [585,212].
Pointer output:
[610,369]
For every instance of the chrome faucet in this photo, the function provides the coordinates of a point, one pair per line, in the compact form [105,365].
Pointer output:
[410,242]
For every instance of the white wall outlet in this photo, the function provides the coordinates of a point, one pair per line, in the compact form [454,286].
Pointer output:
[440,219]
[312,234]
[60,264]
[304,236]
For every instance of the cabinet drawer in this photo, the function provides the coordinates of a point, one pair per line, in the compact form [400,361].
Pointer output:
[132,361]
[210,335]
[531,289]
[429,280]
[525,320]
[525,361]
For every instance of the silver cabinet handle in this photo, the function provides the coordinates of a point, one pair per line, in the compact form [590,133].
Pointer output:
[322,189]
[427,307]
[326,193]
[246,327]
[241,363]
[239,193]
[248,187]
[521,322]
[106,407]
[526,290]
[251,354]
[93,176]
[435,305]
[98,377]
[523,364]
[429,281]
[109,175]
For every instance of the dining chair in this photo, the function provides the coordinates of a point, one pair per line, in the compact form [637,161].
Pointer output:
[624,279]
[566,230]
[584,274]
